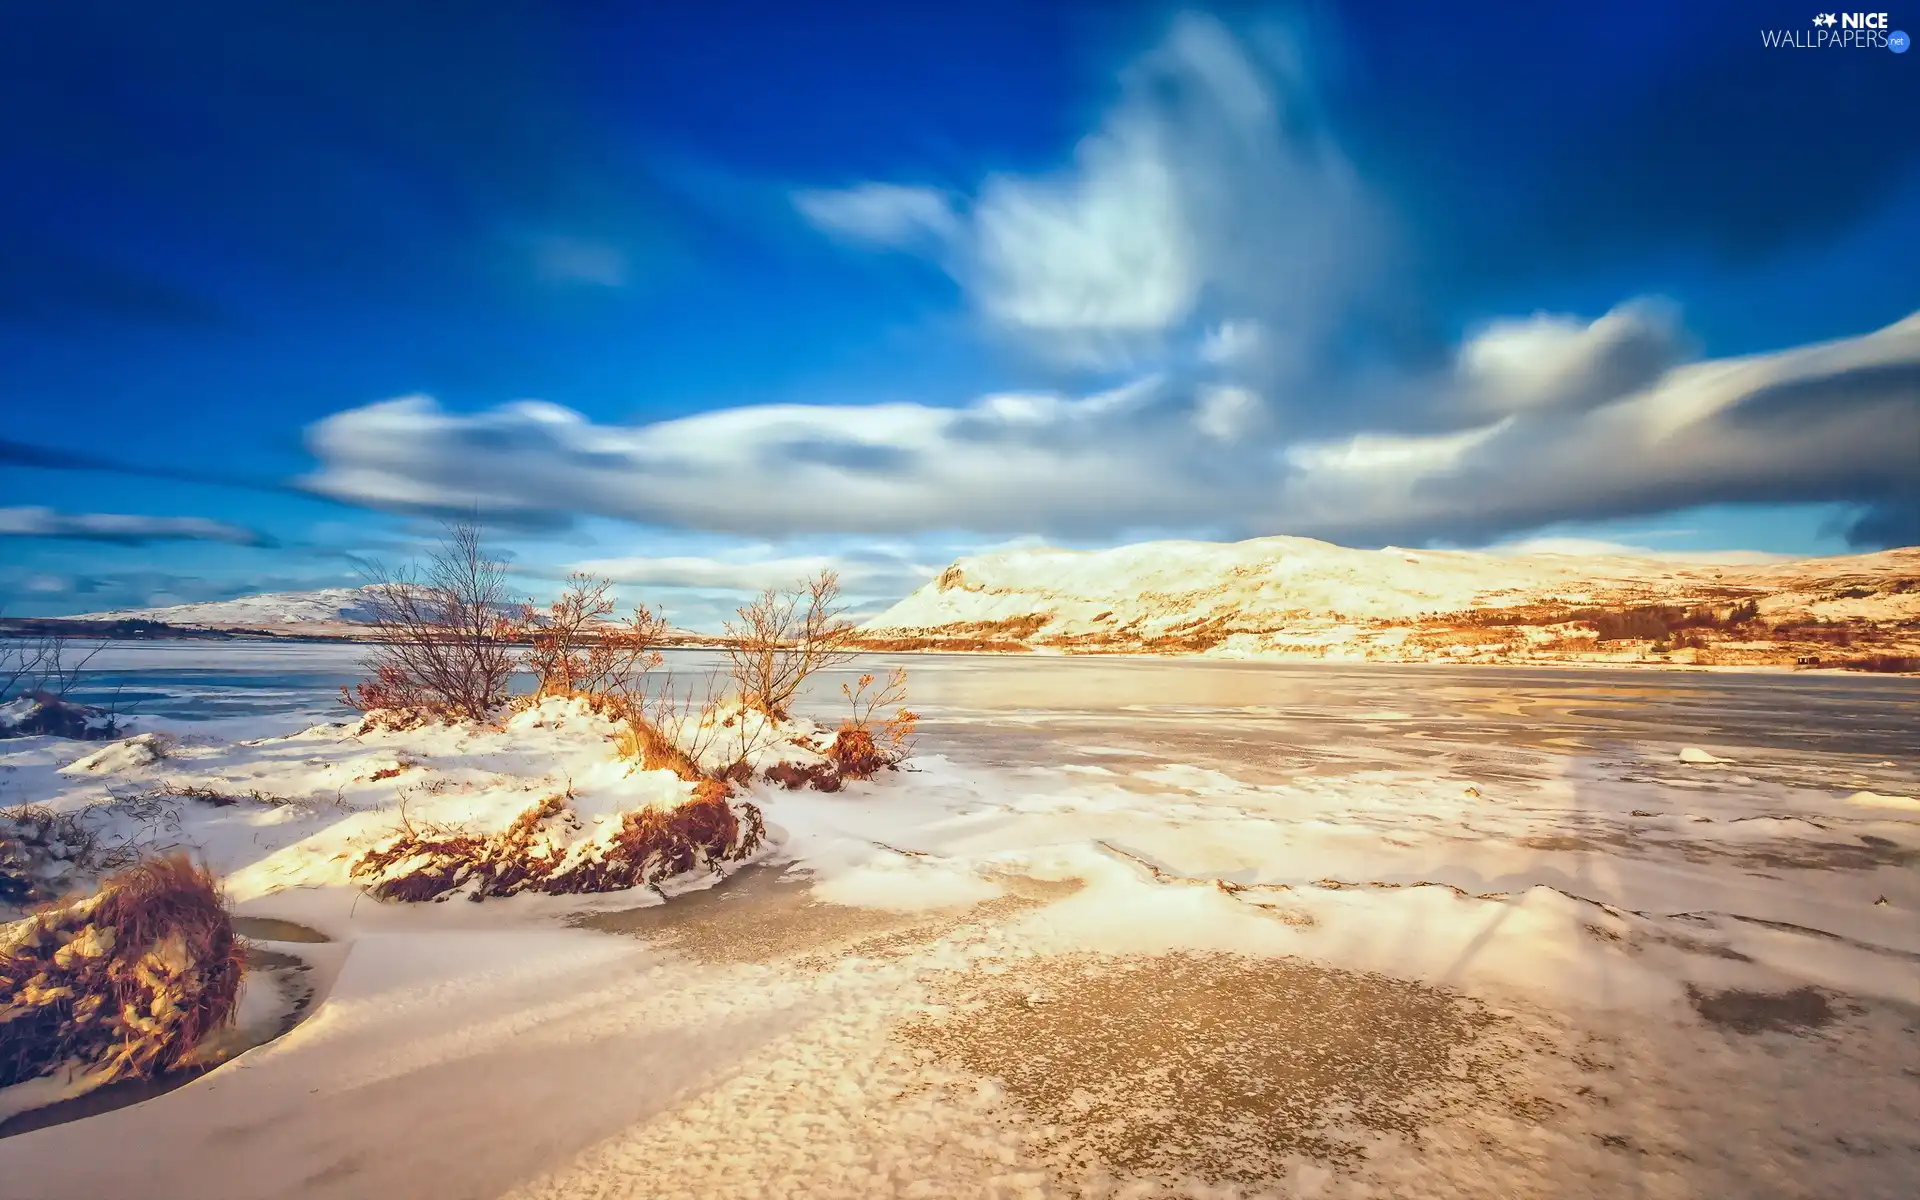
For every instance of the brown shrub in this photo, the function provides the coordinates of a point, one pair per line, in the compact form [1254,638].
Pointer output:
[576,650]
[821,776]
[854,754]
[1892,664]
[936,643]
[128,981]
[652,844]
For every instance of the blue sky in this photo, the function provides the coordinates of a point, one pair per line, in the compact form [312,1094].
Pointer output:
[710,297]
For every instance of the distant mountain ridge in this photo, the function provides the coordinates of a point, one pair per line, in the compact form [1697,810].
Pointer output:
[324,606]
[1296,597]
[335,612]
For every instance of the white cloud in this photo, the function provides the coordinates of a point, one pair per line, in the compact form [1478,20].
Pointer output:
[1224,411]
[1231,342]
[1104,252]
[751,575]
[1209,209]
[1823,423]
[1558,361]
[883,214]
[1207,182]
[1831,422]
[1834,422]
[32,521]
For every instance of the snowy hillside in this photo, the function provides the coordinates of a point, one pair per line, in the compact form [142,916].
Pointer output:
[345,606]
[334,612]
[1284,595]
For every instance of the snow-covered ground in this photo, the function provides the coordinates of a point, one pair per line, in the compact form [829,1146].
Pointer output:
[1127,929]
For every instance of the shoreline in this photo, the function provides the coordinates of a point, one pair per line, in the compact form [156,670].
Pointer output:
[227,637]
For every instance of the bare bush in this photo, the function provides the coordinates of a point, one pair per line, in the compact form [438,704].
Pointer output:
[577,650]
[21,664]
[445,633]
[43,670]
[785,636]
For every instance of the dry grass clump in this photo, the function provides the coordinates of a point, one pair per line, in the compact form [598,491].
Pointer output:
[643,742]
[127,981]
[856,755]
[429,862]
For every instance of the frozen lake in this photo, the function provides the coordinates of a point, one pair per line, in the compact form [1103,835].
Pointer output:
[1125,928]
[1249,710]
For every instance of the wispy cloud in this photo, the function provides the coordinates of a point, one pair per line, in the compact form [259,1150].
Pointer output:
[1208,183]
[747,575]
[38,522]
[1596,548]
[562,259]
[882,214]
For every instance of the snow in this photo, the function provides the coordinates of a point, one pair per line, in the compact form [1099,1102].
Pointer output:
[1289,595]
[1699,757]
[127,754]
[794,1033]
[324,605]
[1875,800]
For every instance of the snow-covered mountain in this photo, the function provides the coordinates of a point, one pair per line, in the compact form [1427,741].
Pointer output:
[1286,596]
[335,612]
[326,606]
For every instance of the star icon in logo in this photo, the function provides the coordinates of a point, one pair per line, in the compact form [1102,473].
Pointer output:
[1826,19]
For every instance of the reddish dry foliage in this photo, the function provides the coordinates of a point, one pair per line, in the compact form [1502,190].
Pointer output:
[783,637]
[652,844]
[854,754]
[936,644]
[821,776]
[1893,664]
[576,650]
[159,972]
